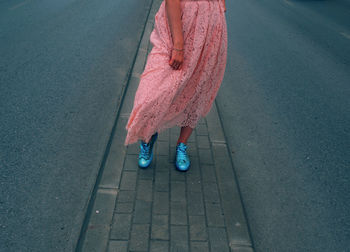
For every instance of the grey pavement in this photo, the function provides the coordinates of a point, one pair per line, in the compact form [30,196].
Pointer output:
[159,208]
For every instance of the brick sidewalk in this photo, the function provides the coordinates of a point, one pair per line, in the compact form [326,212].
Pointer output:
[159,208]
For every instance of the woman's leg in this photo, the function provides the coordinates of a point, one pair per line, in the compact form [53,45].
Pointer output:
[184,134]
[150,138]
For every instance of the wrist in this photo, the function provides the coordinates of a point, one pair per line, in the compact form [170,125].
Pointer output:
[178,44]
[178,49]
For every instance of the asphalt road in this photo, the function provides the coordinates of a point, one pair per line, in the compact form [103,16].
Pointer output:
[63,65]
[285,108]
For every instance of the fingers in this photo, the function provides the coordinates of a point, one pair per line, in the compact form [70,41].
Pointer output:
[176,60]
[175,64]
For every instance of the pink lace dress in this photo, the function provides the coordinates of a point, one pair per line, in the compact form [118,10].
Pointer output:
[166,97]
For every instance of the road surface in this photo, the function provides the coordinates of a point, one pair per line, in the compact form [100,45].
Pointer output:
[285,108]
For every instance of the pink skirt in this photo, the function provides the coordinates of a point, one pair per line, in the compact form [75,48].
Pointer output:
[166,97]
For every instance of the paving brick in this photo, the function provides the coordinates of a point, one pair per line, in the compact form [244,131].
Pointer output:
[214,215]
[194,186]
[176,175]
[179,239]
[163,164]
[139,237]
[160,227]
[161,203]
[242,249]
[198,230]
[205,156]
[195,162]
[117,246]
[172,147]
[208,173]
[216,133]
[128,180]
[147,173]
[202,121]
[126,196]
[193,174]
[124,207]
[178,189]
[175,130]
[164,136]
[211,192]
[195,203]
[133,148]
[218,239]
[161,183]
[144,190]
[200,246]
[130,163]
[142,213]
[201,130]
[203,142]
[191,151]
[172,155]
[159,246]
[178,212]
[121,227]
[192,138]
[162,148]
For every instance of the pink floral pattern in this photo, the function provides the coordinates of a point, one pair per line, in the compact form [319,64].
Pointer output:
[166,97]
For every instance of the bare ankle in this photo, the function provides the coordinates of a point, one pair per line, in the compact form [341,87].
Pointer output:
[181,141]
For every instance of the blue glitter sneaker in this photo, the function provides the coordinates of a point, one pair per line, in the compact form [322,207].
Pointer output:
[182,161]
[146,152]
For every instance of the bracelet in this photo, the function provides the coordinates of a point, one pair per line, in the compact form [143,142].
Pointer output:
[178,49]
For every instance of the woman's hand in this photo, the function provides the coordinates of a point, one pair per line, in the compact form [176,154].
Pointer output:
[177,58]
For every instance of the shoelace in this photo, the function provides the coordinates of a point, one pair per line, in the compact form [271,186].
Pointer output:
[145,150]
[182,155]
